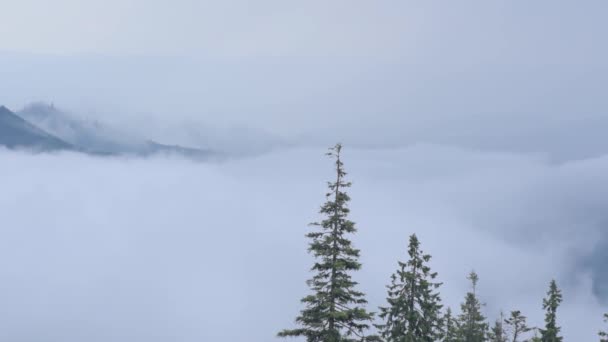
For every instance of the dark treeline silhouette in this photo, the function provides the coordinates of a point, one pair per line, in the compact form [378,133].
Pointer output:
[335,311]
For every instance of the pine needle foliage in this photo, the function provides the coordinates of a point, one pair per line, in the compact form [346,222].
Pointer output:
[414,307]
[450,328]
[498,332]
[551,332]
[517,326]
[335,311]
[472,326]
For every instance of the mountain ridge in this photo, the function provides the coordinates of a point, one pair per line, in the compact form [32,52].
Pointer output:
[18,133]
[42,127]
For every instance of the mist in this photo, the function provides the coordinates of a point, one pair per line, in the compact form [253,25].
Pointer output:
[477,125]
[160,249]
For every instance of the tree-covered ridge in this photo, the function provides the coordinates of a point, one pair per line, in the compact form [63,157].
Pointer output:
[335,311]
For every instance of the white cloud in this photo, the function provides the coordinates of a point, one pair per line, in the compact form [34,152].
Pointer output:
[157,249]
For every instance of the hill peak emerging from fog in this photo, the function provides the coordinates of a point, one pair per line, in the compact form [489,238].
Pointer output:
[43,127]
[15,132]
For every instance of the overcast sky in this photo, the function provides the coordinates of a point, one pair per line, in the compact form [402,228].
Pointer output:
[480,125]
[510,75]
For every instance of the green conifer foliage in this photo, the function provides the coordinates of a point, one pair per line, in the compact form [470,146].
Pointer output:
[450,328]
[604,334]
[414,307]
[498,333]
[517,326]
[550,304]
[472,326]
[335,311]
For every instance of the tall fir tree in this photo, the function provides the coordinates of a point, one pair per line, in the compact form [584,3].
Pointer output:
[472,326]
[450,328]
[517,326]
[551,332]
[604,334]
[414,307]
[335,311]
[498,332]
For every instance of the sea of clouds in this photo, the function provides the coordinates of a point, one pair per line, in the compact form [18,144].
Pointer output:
[479,126]
[115,249]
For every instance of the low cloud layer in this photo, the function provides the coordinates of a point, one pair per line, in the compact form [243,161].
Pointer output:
[104,249]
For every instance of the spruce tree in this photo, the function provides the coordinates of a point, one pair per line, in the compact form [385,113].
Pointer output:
[471,323]
[450,328]
[498,333]
[517,326]
[335,311]
[413,313]
[604,334]
[550,304]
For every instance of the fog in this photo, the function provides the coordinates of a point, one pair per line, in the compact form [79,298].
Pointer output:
[114,249]
[479,125]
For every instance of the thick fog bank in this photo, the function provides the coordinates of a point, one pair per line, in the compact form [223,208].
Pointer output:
[164,249]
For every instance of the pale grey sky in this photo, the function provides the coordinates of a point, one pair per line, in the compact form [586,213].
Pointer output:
[557,31]
[184,27]
[508,75]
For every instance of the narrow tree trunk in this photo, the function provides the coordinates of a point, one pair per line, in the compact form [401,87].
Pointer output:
[332,308]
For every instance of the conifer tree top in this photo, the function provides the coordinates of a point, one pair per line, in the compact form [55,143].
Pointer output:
[472,326]
[414,306]
[334,311]
[551,332]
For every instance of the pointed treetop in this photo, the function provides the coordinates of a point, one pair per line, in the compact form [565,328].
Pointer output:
[550,304]
[334,311]
[471,322]
[474,278]
[414,307]
[335,151]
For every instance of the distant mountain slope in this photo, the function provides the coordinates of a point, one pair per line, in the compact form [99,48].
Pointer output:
[95,137]
[15,132]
